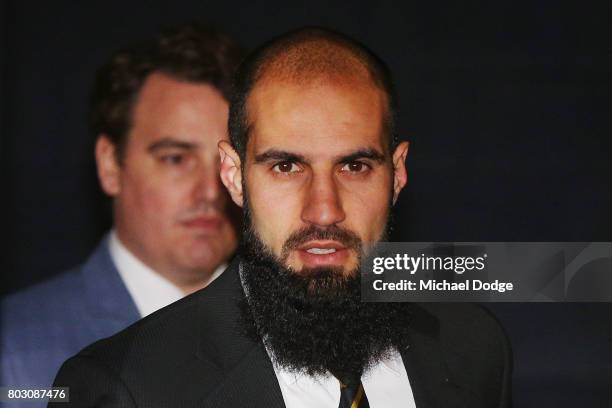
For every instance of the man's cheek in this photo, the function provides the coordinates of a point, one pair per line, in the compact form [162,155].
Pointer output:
[156,206]
[368,216]
[270,232]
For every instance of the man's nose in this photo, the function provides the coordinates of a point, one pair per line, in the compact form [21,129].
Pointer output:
[323,206]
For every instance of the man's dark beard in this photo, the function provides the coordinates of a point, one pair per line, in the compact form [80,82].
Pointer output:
[313,321]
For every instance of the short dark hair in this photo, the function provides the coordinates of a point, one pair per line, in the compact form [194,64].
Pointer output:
[257,64]
[192,53]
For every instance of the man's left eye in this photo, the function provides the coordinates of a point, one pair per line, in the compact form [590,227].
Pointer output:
[173,159]
[355,167]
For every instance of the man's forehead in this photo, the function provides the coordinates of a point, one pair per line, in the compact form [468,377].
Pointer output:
[171,111]
[270,89]
[317,117]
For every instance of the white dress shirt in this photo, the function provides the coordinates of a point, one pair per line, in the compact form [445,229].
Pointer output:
[386,385]
[149,290]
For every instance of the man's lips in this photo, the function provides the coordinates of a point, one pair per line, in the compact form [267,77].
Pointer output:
[320,253]
[204,223]
[325,245]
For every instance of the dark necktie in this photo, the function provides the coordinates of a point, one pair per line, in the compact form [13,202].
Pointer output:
[352,394]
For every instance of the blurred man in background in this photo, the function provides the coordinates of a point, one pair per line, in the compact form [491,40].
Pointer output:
[158,111]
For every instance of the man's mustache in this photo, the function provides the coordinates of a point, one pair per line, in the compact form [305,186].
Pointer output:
[346,237]
[203,210]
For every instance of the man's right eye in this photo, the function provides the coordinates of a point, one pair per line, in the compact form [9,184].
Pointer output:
[286,167]
[173,159]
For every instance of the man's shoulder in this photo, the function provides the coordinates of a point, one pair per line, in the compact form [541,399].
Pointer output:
[57,295]
[152,333]
[157,358]
[46,298]
[35,334]
[174,331]
[44,324]
[465,324]
[472,345]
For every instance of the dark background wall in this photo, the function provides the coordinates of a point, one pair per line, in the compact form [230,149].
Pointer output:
[506,104]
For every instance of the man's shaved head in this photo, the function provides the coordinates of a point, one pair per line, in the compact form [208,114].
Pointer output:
[303,57]
[312,55]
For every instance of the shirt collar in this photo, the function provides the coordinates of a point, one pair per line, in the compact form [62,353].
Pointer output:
[392,363]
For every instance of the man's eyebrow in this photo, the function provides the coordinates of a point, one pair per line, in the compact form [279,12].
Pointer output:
[168,143]
[366,153]
[279,155]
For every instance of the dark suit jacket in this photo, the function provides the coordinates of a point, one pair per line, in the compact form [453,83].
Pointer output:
[44,325]
[193,354]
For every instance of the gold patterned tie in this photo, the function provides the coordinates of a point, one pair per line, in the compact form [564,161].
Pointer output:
[352,395]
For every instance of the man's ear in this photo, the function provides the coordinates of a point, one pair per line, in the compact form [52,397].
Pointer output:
[109,170]
[231,176]
[400,176]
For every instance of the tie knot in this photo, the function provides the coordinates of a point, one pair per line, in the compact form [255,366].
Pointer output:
[349,383]
[347,379]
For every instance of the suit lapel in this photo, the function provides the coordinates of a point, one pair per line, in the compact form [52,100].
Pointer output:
[252,383]
[248,374]
[424,359]
[109,301]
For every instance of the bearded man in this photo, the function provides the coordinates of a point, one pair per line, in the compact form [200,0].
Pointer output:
[315,164]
